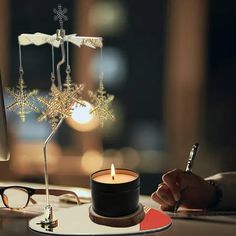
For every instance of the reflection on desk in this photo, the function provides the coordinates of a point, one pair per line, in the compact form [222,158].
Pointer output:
[16,222]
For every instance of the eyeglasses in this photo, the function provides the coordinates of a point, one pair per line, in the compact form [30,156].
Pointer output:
[18,197]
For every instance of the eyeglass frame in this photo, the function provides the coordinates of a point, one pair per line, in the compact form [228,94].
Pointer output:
[32,191]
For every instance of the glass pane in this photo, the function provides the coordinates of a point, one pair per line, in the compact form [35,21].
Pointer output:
[16,197]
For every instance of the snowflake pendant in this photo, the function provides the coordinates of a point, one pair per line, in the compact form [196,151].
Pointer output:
[101,102]
[23,101]
[60,103]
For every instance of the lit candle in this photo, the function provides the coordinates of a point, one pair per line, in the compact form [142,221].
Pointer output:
[113,172]
[115,192]
[113,178]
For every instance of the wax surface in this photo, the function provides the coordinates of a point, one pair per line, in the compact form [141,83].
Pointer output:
[119,178]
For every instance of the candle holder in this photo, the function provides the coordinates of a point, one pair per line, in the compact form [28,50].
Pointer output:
[115,200]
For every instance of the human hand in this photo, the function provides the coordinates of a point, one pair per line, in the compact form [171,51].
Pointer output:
[194,191]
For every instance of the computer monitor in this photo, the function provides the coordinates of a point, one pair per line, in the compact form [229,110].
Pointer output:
[4,151]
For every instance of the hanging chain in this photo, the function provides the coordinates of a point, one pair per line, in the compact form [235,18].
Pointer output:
[68,70]
[53,66]
[101,74]
[21,71]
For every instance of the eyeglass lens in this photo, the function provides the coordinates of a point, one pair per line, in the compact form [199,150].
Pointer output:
[15,197]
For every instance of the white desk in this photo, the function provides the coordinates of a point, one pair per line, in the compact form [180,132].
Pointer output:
[16,223]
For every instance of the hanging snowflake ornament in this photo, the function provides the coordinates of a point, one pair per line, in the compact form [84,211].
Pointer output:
[24,101]
[60,104]
[50,113]
[72,90]
[101,101]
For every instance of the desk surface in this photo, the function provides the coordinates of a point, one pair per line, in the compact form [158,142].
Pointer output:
[16,223]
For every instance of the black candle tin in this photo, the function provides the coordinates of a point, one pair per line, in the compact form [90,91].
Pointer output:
[115,200]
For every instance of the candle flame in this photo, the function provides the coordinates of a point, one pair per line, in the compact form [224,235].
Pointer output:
[113,171]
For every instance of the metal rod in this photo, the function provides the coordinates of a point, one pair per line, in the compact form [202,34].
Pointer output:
[59,65]
[45,160]
[48,208]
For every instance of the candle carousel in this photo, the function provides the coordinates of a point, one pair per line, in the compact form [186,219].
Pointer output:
[115,207]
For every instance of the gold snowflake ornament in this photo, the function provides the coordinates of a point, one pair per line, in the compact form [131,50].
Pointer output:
[101,101]
[59,105]
[73,91]
[24,102]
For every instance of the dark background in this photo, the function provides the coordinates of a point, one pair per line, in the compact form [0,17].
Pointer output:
[143,46]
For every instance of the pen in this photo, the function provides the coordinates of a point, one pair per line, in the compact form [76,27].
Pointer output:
[189,167]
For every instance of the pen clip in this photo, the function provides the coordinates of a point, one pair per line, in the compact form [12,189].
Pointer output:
[192,156]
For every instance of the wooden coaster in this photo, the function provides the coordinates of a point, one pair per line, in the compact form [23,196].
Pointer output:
[124,221]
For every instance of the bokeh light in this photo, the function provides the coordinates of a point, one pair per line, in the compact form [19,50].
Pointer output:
[112,156]
[82,119]
[91,161]
[131,157]
[108,17]
[114,66]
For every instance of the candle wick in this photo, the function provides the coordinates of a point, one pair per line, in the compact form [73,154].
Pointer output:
[113,177]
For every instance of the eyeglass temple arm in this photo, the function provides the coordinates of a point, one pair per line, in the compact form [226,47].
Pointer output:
[57,192]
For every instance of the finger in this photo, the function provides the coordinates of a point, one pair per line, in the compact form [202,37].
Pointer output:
[160,201]
[172,180]
[164,193]
[167,208]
